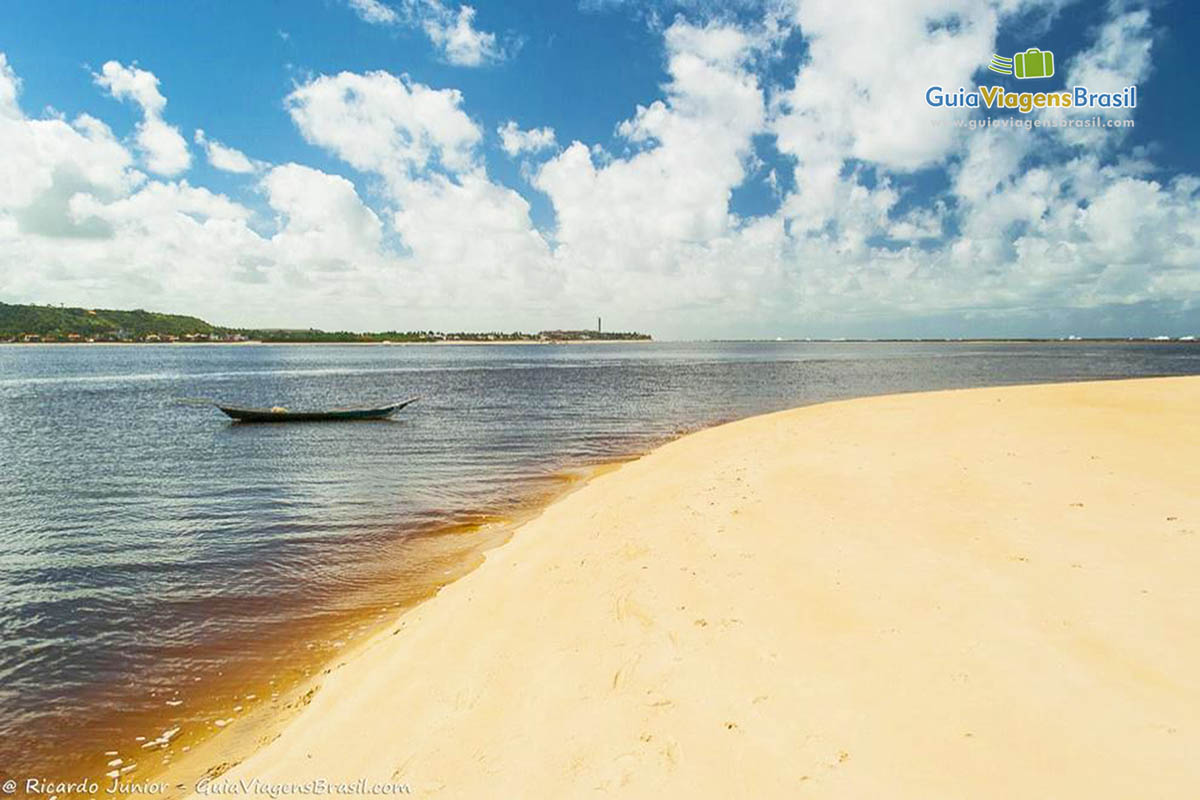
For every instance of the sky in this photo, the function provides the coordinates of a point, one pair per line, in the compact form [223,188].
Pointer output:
[692,169]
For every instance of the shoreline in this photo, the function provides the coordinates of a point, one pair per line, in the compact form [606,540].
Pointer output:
[625,699]
[233,713]
[471,343]
[260,343]
[209,752]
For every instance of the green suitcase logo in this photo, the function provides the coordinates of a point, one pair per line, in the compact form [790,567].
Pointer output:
[1033,63]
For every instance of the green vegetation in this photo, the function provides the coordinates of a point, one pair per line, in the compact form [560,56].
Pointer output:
[57,324]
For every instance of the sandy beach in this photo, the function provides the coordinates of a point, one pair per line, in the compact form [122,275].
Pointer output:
[974,594]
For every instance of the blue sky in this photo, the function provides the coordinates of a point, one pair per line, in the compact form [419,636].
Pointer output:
[577,70]
[688,169]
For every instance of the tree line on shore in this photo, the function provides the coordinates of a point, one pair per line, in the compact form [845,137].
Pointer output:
[46,323]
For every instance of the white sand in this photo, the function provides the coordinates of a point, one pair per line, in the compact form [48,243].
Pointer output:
[981,594]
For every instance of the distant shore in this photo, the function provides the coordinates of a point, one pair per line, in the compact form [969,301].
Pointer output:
[256,342]
[985,593]
[475,342]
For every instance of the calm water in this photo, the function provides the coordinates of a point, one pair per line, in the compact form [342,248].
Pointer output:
[147,549]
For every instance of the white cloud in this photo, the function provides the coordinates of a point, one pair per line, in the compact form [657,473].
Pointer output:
[1119,57]
[223,157]
[475,249]
[131,83]
[164,149]
[860,93]
[456,35]
[100,233]
[452,32]
[374,12]
[325,227]
[312,200]
[155,201]
[47,161]
[380,123]
[515,141]
[10,87]
[636,212]
[472,237]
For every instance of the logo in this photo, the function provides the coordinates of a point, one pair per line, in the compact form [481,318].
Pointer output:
[1033,63]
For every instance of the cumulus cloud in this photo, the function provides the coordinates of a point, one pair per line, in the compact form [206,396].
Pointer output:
[156,201]
[453,220]
[455,34]
[101,233]
[854,98]
[131,83]
[381,123]
[515,141]
[48,161]
[311,200]
[1119,56]
[10,86]
[223,157]
[692,149]
[325,226]
[451,31]
[164,149]
[374,12]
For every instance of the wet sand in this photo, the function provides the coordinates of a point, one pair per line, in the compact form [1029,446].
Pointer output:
[983,593]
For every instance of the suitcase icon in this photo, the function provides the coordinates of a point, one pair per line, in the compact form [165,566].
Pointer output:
[1033,63]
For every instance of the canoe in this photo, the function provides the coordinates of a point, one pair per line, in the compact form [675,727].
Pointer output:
[280,414]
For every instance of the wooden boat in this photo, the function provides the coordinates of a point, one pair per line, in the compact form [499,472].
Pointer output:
[281,414]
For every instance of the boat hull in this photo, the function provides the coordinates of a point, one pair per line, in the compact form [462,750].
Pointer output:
[256,415]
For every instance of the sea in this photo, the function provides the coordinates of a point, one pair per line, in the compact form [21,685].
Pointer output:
[164,570]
